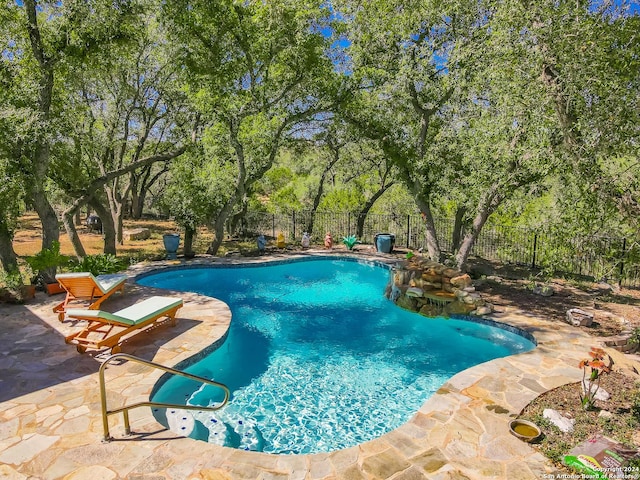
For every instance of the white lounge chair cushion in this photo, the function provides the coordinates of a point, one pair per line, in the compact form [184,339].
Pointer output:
[103,282]
[152,307]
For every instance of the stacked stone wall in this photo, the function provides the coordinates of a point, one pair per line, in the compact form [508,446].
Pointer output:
[433,289]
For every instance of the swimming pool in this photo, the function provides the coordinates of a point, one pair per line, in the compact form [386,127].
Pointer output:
[316,357]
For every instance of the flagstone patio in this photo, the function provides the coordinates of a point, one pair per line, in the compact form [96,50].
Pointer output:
[51,424]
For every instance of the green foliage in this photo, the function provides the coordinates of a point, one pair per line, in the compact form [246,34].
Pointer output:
[342,200]
[635,340]
[99,264]
[11,280]
[197,189]
[275,179]
[47,258]
[285,200]
[635,407]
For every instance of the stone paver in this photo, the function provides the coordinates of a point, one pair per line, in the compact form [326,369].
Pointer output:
[51,426]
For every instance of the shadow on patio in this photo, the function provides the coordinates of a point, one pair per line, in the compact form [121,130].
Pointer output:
[34,355]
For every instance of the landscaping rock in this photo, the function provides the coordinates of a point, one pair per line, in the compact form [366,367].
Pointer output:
[579,318]
[414,292]
[483,310]
[461,281]
[458,308]
[432,289]
[543,290]
[407,303]
[136,234]
[429,310]
[601,393]
[563,423]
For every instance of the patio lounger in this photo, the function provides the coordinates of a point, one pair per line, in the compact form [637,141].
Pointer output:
[84,286]
[106,329]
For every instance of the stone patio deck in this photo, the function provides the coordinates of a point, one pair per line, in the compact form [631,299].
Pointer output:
[51,425]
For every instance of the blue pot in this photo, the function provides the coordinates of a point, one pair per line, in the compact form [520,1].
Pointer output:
[171,243]
[384,242]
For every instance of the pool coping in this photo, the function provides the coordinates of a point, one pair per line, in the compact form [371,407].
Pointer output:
[460,432]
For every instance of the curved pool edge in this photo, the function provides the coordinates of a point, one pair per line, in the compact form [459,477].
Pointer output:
[463,427]
[305,256]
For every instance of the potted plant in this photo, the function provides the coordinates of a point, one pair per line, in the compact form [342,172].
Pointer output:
[44,265]
[14,290]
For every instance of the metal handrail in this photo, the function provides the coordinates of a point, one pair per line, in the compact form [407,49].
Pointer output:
[125,410]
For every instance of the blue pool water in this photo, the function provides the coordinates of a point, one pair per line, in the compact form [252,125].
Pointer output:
[316,358]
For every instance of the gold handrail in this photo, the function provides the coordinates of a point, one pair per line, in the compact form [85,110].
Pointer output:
[125,410]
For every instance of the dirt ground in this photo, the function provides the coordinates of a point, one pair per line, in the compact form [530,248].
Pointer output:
[28,238]
[614,309]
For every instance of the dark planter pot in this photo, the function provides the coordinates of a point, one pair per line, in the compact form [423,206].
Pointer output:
[171,243]
[384,242]
[28,291]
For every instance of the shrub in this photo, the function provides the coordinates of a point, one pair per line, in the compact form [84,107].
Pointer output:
[44,263]
[99,264]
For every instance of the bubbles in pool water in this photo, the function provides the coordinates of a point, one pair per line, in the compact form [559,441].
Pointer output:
[316,358]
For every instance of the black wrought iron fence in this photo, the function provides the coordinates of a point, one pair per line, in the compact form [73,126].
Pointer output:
[597,257]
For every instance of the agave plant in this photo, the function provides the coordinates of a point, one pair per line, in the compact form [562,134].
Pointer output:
[350,241]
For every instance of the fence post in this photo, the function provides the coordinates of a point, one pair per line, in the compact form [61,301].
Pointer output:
[622,254]
[273,225]
[408,229]
[348,224]
[293,218]
[535,248]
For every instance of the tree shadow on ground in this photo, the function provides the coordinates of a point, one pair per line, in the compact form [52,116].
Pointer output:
[34,355]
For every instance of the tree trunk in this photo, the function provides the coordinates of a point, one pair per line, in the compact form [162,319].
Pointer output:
[218,228]
[50,227]
[7,254]
[362,214]
[140,187]
[469,241]
[40,155]
[238,194]
[48,217]
[116,208]
[225,212]
[136,208]
[320,191]
[239,218]
[486,206]
[119,224]
[108,228]
[72,233]
[77,219]
[456,235]
[189,235]
[431,238]
[316,202]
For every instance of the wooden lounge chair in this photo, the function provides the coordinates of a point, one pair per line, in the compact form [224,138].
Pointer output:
[84,286]
[106,329]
